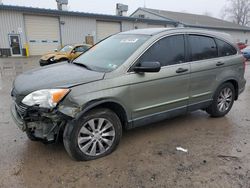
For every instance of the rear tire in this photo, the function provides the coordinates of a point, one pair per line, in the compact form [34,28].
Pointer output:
[94,135]
[223,100]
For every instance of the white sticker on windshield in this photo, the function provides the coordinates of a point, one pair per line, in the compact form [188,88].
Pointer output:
[129,40]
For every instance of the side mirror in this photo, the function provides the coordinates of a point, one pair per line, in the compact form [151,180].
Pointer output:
[147,67]
[55,50]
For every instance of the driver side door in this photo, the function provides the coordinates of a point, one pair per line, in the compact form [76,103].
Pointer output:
[156,96]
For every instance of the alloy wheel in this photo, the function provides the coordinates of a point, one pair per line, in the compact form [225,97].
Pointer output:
[96,136]
[225,99]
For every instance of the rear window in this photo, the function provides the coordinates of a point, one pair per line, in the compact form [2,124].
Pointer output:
[202,47]
[225,49]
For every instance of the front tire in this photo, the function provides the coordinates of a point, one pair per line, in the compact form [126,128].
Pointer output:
[94,135]
[223,100]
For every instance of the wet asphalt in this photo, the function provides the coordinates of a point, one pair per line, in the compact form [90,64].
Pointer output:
[218,150]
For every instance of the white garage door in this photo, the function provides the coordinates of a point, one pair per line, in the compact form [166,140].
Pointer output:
[42,34]
[155,26]
[105,29]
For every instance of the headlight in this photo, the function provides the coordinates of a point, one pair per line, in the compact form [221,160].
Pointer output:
[46,98]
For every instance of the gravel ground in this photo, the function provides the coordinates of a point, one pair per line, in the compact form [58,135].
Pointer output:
[218,150]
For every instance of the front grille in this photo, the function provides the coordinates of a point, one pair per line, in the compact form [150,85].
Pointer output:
[21,110]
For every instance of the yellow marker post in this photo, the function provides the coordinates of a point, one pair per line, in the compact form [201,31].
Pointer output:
[26,46]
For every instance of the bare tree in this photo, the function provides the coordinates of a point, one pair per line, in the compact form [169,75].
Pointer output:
[238,11]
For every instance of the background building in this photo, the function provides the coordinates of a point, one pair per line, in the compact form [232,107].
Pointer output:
[44,30]
[239,33]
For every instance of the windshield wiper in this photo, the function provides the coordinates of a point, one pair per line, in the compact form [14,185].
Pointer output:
[82,65]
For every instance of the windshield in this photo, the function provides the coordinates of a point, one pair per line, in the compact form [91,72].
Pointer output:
[66,48]
[111,53]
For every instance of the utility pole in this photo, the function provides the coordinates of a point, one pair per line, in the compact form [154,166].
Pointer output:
[144,3]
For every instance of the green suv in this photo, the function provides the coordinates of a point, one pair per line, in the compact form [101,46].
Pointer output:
[128,80]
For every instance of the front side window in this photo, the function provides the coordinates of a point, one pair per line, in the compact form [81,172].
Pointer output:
[202,47]
[111,53]
[167,51]
[225,49]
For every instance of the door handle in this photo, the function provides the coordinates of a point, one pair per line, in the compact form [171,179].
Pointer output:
[219,64]
[181,70]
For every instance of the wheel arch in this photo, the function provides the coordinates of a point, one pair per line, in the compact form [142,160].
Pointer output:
[113,105]
[236,87]
[63,59]
[234,82]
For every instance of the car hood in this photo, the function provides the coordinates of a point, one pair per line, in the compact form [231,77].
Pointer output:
[64,75]
[53,54]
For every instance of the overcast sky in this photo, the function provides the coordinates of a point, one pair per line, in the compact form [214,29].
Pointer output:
[108,6]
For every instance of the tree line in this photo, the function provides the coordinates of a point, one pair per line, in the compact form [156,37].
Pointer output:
[237,11]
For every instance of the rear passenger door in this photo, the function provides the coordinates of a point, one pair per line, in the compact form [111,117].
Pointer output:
[210,58]
[203,53]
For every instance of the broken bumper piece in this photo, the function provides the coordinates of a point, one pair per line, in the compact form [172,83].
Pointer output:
[42,124]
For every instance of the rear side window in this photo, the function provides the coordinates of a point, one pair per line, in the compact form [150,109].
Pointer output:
[202,47]
[225,49]
[167,51]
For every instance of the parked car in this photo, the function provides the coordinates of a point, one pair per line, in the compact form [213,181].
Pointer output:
[128,80]
[246,52]
[241,45]
[67,53]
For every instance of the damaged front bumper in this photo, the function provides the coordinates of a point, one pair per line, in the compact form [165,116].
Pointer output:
[42,124]
[16,117]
